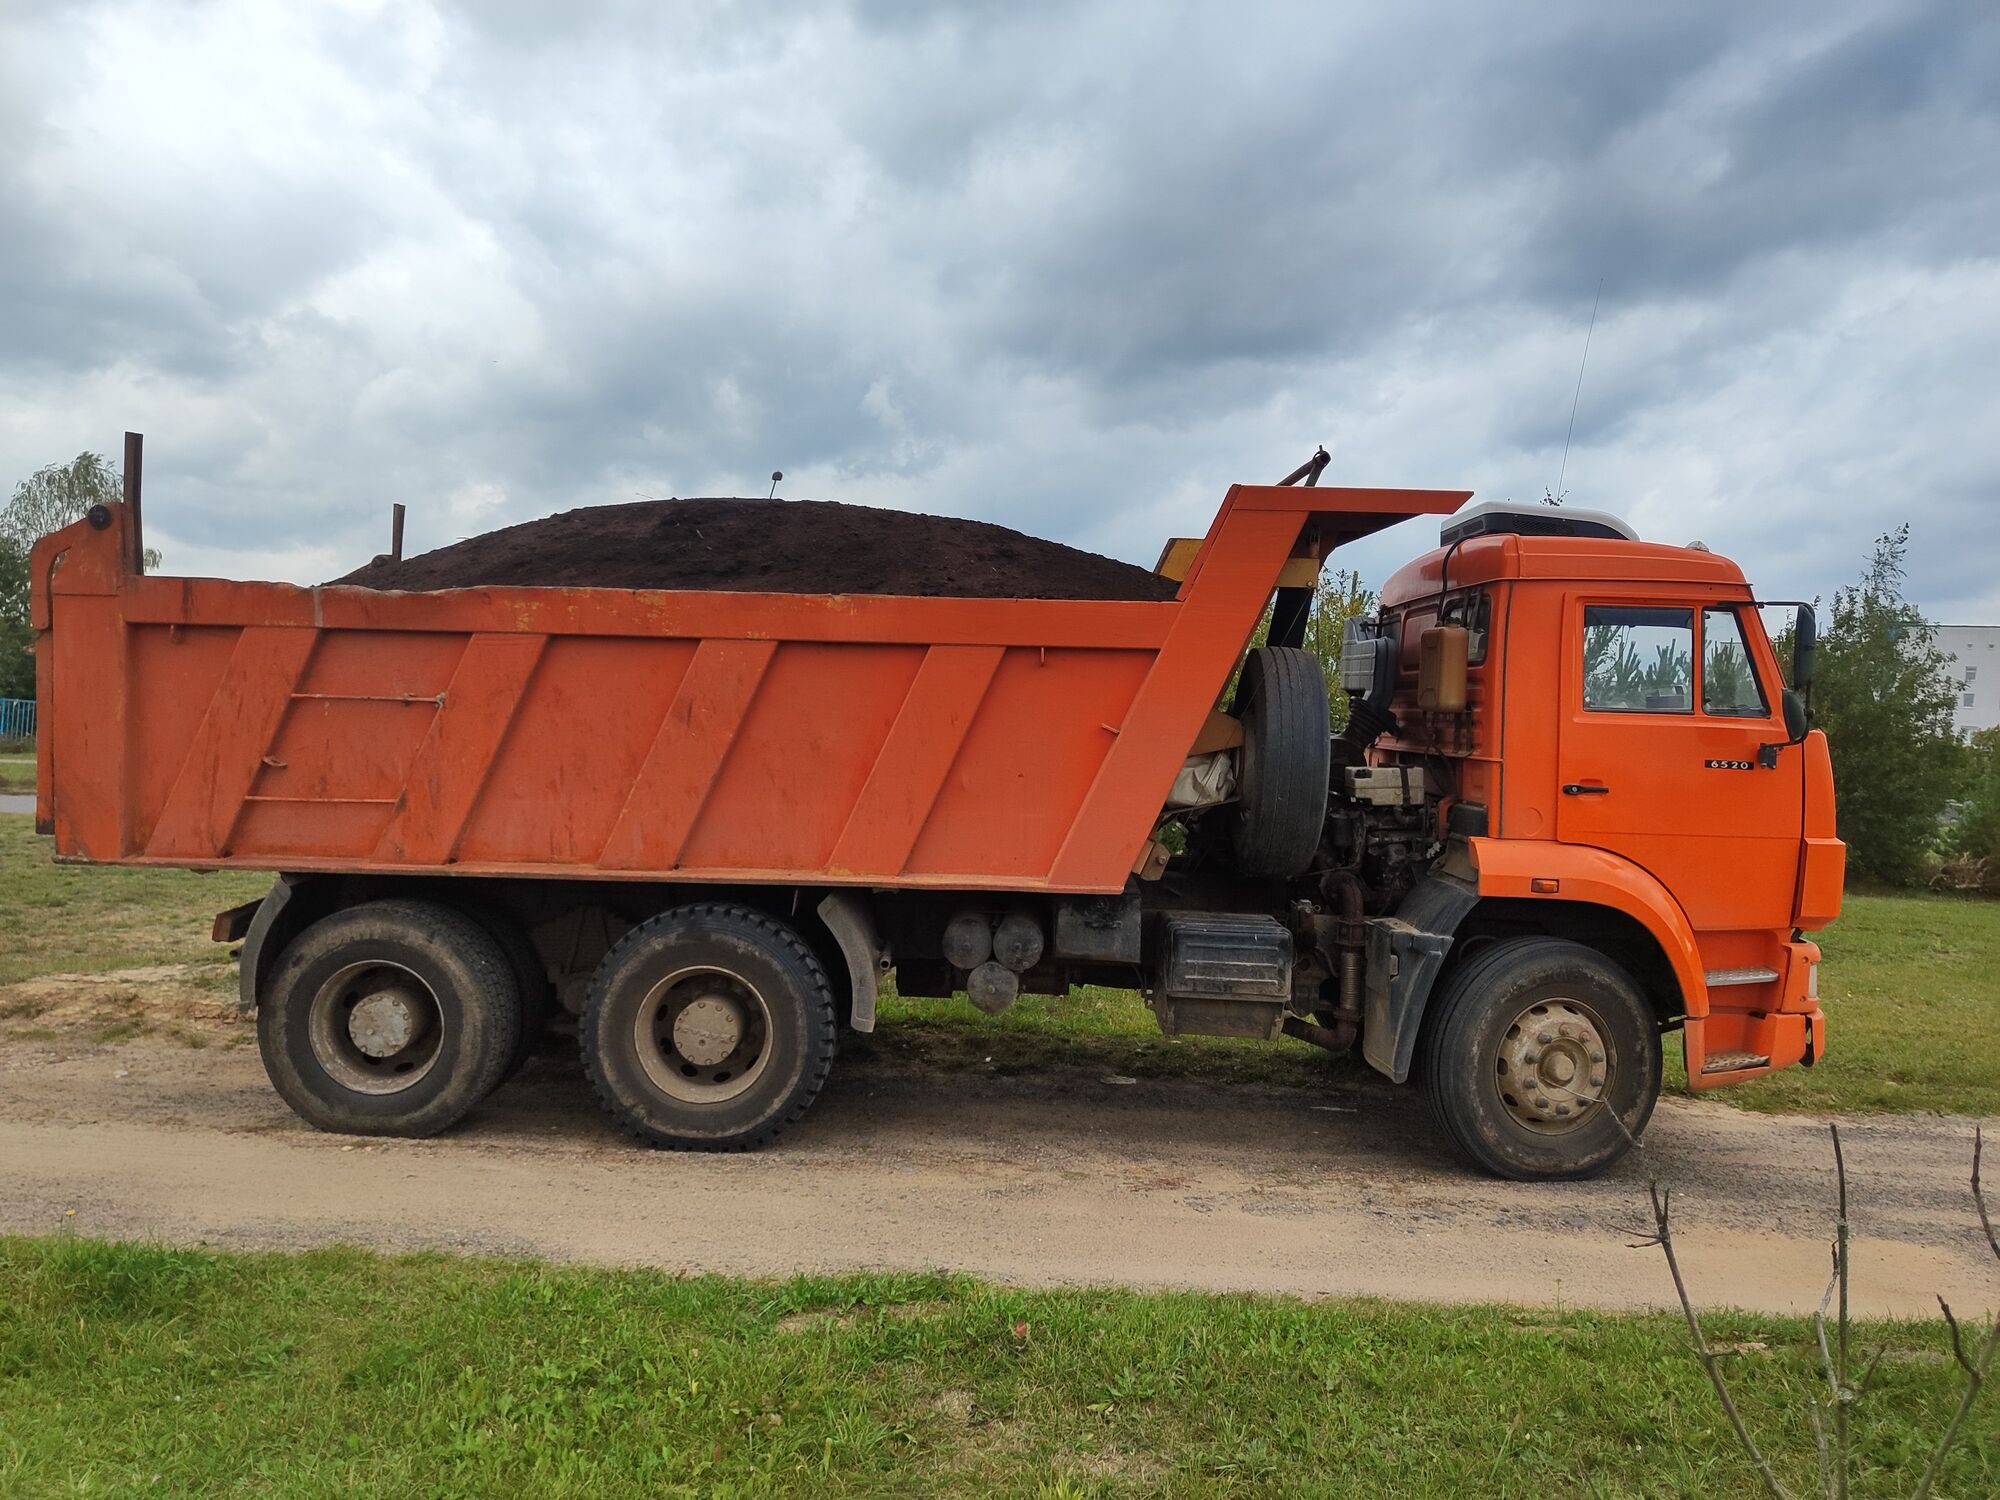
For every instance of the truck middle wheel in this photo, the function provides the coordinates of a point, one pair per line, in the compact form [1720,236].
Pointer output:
[1541,1060]
[708,1028]
[538,1001]
[390,1018]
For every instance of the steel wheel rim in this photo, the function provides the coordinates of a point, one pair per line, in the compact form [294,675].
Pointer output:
[376,1027]
[1555,1066]
[703,1035]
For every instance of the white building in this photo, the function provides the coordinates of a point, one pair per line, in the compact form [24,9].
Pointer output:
[1977,652]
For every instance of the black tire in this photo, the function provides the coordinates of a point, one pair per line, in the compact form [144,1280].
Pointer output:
[760,978]
[531,975]
[443,972]
[1517,1011]
[1282,772]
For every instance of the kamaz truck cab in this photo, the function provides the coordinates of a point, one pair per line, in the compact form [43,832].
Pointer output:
[1575,808]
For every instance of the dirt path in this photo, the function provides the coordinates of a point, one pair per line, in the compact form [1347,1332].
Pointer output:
[1044,1180]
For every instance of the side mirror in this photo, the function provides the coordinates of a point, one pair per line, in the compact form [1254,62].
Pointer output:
[1795,716]
[1805,642]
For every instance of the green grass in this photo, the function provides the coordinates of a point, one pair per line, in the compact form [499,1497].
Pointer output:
[136,1369]
[1094,1028]
[17,775]
[1911,987]
[74,919]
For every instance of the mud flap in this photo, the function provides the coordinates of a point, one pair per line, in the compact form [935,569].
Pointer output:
[847,917]
[1405,954]
[250,966]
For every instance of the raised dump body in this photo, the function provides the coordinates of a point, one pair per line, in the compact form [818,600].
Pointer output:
[636,735]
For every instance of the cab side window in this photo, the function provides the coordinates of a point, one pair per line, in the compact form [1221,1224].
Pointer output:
[1729,687]
[1638,660]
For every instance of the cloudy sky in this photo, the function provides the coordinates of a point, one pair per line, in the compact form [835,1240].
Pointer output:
[1070,267]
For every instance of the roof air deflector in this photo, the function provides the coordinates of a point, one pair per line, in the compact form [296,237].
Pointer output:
[1498,518]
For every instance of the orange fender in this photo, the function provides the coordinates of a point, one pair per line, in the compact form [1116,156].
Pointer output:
[1543,870]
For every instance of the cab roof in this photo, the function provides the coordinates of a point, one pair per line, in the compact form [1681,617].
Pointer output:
[1595,559]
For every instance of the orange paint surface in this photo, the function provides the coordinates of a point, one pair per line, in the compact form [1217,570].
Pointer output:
[1705,828]
[614,733]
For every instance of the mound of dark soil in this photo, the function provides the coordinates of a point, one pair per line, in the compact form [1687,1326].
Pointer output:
[767,547]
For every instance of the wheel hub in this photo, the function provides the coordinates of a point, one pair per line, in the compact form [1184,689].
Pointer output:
[375,1027]
[707,1030]
[385,1022]
[1554,1066]
[703,1035]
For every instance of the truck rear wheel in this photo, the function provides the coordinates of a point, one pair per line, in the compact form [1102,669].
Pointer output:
[1541,1060]
[531,975]
[708,1028]
[1282,772]
[389,1018]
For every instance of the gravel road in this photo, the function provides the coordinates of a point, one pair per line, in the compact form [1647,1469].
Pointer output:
[1056,1178]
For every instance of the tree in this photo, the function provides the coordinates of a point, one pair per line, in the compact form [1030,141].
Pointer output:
[48,500]
[17,664]
[1337,598]
[52,497]
[1884,694]
[1976,836]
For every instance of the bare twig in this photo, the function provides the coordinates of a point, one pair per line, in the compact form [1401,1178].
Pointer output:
[1663,1231]
[1819,1442]
[1631,1140]
[1826,1483]
[1819,1336]
[1975,1377]
[1835,1350]
[1976,1368]
[1868,1375]
[1843,1393]
[1979,1193]
[1957,1343]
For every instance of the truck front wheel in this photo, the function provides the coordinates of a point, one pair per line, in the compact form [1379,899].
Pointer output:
[708,1028]
[389,1018]
[1541,1060]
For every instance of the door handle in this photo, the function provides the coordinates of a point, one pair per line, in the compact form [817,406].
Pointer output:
[1578,789]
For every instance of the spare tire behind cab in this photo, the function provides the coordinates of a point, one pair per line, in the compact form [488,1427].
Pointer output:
[1282,772]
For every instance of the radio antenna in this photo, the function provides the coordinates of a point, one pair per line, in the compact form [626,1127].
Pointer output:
[1578,395]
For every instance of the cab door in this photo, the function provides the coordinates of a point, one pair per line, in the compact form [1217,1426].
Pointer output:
[1667,709]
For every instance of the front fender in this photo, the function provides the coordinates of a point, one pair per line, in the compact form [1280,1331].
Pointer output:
[1543,870]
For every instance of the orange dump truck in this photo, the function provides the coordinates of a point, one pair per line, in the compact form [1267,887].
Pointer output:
[1572,809]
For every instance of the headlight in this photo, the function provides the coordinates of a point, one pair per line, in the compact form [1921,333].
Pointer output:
[1812,980]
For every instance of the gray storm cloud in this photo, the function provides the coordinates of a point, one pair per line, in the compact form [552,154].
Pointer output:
[1070,268]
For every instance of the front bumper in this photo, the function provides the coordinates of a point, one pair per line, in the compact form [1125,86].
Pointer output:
[1780,1027]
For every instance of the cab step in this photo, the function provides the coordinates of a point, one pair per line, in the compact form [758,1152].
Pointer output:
[1734,1062]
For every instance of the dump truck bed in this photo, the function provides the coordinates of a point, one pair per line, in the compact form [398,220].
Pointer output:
[711,737]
